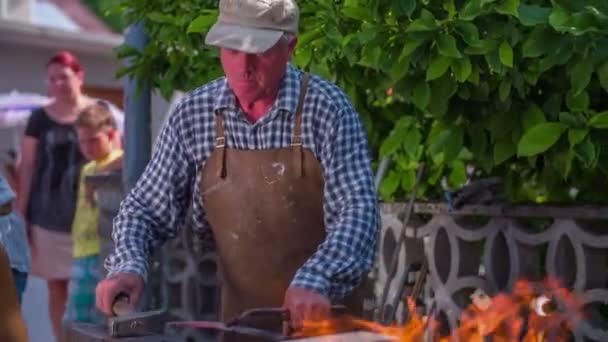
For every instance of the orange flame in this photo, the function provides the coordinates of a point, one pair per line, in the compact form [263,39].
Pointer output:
[528,314]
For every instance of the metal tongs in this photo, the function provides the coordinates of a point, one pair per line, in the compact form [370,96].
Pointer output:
[249,323]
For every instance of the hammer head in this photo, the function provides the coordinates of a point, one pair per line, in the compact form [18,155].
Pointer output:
[138,324]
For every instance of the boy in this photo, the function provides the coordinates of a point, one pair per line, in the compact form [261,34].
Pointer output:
[97,131]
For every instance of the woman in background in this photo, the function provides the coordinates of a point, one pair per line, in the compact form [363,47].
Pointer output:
[48,179]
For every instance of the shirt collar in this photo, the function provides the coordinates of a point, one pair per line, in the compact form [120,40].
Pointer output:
[287,97]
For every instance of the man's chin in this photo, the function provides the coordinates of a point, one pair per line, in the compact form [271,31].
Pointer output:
[246,96]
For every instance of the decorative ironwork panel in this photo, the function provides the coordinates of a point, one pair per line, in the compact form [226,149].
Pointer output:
[190,284]
[182,278]
[497,247]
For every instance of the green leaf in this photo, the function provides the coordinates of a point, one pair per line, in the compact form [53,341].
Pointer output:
[580,75]
[370,57]
[390,184]
[577,102]
[438,66]
[585,152]
[562,162]
[532,15]
[410,46]
[539,138]
[578,22]
[571,120]
[311,35]
[161,18]
[124,51]
[400,68]
[602,74]
[450,7]
[474,78]
[599,120]
[509,7]
[412,141]
[442,89]
[458,174]
[576,135]
[392,143]
[408,6]
[202,23]
[426,22]
[436,143]
[302,57]
[358,13]
[462,68]
[479,145]
[532,117]
[504,89]
[408,179]
[421,95]
[471,10]
[559,55]
[454,144]
[468,31]
[446,44]
[506,54]
[503,150]
[539,42]
[559,18]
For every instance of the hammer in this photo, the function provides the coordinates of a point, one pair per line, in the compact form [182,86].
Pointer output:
[129,323]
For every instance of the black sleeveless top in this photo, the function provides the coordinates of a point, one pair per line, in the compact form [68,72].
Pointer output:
[54,187]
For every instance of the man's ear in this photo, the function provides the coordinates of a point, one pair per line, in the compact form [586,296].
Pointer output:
[292,44]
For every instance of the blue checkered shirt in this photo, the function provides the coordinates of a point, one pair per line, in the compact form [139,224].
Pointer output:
[158,204]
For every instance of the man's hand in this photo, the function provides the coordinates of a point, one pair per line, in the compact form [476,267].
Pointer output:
[304,304]
[108,290]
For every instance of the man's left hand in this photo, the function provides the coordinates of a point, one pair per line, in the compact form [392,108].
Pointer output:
[304,304]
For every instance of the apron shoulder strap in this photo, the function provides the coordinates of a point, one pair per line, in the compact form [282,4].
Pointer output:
[220,143]
[297,130]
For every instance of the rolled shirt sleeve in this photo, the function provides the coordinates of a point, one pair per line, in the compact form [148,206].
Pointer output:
[155,208]
[351,213]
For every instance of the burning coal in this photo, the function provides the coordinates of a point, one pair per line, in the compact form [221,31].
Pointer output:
[532,312]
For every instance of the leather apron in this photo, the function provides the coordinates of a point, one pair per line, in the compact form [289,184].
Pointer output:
[265,208]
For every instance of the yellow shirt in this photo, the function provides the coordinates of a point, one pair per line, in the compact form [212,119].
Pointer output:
[84,229]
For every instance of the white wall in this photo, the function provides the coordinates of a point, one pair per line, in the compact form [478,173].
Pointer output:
[23,68]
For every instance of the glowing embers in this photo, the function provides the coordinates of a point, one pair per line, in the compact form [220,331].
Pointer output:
[532,312]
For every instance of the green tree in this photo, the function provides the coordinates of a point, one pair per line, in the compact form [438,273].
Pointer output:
[104,10]
[512,88]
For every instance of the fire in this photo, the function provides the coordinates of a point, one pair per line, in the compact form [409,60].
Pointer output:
[533,312]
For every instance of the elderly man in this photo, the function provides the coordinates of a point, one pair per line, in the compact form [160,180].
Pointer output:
[275,163]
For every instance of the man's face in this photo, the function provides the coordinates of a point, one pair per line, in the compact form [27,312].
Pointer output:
[95,144]
[254,76]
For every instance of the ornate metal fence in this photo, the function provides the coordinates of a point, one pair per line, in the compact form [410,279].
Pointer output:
[491,247]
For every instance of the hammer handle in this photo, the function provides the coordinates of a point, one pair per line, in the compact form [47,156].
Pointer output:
[120,305]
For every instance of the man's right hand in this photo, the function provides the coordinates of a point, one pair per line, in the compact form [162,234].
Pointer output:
[108,290]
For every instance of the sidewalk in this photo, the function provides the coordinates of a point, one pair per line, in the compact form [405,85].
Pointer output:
[35,311]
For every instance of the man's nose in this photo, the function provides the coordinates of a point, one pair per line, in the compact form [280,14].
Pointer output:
[245,60]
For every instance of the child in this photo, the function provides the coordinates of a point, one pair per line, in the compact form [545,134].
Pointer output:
[96,129]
